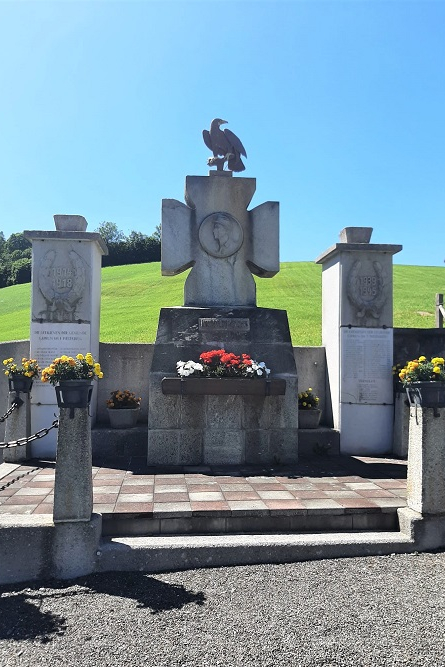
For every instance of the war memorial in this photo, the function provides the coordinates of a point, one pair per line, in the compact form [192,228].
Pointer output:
[214,432]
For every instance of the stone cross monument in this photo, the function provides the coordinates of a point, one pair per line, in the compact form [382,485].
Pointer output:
[223,243]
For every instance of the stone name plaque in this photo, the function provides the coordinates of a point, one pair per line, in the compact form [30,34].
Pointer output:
[234,325]
[366,366]
[50,340]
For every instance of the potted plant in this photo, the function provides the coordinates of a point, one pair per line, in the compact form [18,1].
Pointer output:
[221,373]
[309,413]
[424,381]
[73,379]
[123,409]
[20,377]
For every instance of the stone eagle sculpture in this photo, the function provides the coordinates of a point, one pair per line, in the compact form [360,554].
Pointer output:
[225,146]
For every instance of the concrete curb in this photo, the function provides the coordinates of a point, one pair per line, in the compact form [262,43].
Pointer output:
[158,554]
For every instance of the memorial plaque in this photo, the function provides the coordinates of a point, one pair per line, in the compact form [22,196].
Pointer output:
[366,366]
[48,341]
[230,324]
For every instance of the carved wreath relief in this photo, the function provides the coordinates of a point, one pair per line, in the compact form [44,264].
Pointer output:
[367,292]
[62,285]
[220,235]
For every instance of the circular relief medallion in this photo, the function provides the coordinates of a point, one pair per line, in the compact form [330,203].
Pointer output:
[220,235]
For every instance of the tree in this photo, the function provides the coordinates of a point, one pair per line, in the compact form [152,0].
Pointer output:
[20,272]
[16,242]
[110,233]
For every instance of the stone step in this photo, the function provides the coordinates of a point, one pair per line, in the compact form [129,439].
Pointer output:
[161,554]
[323,520]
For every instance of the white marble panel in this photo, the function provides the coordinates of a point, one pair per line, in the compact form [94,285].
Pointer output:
[366,366]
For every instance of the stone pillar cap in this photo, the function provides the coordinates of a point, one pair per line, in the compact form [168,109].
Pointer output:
[389,248]
[70,223]
[356,235]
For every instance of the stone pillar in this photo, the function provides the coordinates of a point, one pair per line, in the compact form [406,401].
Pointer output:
[73,484]
[18,426]
[358,336]
[65,309]
[426,461]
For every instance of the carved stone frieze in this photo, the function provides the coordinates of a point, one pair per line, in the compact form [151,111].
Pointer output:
[367,288]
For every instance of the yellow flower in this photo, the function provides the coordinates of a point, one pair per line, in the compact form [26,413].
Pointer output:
[63,357]
[80,357]
[436,369]
[422,358]
[101,375]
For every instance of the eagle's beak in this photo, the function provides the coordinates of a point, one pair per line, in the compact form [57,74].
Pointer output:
[221,122]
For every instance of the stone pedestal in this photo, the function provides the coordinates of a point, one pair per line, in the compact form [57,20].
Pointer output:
[357,334]
[73,484]
[66,266]
[223,430]
[17,426]
[426,461]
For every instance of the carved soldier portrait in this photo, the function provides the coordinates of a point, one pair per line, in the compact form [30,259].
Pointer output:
[220,235]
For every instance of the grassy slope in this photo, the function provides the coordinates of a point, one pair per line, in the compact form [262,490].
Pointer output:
[132,296]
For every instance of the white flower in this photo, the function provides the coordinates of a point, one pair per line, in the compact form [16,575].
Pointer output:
[186,368]
[259,371]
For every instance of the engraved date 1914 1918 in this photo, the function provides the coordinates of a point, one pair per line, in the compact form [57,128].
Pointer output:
[62,277]
[368,286]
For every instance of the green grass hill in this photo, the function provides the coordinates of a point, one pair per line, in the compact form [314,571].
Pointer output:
[132,296]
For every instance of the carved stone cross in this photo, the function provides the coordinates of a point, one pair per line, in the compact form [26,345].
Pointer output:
[220,239]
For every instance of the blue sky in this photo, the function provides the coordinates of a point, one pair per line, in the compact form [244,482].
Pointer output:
[340,105]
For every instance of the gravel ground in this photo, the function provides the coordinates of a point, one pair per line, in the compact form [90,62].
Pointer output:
[356,612]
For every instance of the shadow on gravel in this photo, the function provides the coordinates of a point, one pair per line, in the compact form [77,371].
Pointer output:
[147,591]
[22,617]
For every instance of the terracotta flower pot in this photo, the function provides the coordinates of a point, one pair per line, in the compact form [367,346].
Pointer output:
[309,418]
[123,417]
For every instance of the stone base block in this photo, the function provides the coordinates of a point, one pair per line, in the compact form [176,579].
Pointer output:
[401,425]
[75,546]
[192,447]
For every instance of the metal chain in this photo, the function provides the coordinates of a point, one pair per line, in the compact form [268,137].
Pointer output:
[15,406]
[37,436]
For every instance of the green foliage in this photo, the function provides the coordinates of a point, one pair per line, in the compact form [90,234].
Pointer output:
[136,248]
[20,271]
[132,296]
[15,260]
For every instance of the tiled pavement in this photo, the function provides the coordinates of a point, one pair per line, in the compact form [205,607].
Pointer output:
[334,484]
